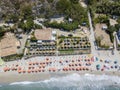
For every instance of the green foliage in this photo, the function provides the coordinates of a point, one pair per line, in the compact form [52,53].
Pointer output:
[2,32]
[91,2]
[118,20]
[102,19]
[72,9]
[13,17]
[27,26]
[50,1]
[108,7]
[65,26]
[111,29]
[26,12]
[98,41]
[62,6]
[74,1]
[117,26]
[36,26]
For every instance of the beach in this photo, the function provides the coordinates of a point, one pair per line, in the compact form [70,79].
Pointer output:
[43,68]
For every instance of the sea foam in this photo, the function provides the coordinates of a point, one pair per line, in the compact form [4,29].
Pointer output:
[22,83]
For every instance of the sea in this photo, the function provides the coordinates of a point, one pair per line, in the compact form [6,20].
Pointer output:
[69,82]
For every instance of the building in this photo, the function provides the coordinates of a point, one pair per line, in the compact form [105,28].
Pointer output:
[45,43]
[104,27]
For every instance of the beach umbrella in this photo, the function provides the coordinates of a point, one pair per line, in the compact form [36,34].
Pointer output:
[5,69]
[37,63]
[33,63]
[78,60]
[19,71]
[43,70]
[76,65]
[84,68]
[111,66]
[70,69]
[12,68]
[77,69]
[66,61]
[32,70]
[116,66]
[8,69]
[24,71]
[29,71]
[79,64]
[47,58]
[40,67]
[36,70]
[115,62]
[101,60]
[87,69]
[73,69]
[16,65]
[29,67]
[30,63]
[39,70]
[19,68]
[70,65]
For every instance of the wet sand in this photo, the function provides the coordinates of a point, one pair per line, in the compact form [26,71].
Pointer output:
[7,78]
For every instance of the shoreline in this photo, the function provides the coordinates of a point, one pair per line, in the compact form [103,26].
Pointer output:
[8,78]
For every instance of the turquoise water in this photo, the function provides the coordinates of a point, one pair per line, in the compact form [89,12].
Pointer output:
[69,82]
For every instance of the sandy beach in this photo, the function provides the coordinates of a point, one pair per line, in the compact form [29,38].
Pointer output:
[44,68]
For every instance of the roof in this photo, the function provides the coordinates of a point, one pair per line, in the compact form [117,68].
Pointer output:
[8,45]
[43,34]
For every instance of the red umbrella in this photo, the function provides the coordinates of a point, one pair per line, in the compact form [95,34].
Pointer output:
[19,68]
[30,63]
[19,71]
[5,69]
[29,71]
[37,63]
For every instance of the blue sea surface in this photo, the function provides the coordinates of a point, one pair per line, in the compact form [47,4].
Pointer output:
[69,82]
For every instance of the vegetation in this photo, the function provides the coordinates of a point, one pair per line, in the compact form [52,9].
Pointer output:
[72,9]
[26,25]
[66,26]
[36,26]
[102,19]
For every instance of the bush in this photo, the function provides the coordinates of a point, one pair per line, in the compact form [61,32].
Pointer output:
[36,26]
[65,26]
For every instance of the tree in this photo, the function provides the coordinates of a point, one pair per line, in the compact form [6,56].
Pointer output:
[74,1]
[111,29]
[62,6]
[29,24]
[26,12]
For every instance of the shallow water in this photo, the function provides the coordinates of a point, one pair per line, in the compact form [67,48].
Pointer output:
[69,82]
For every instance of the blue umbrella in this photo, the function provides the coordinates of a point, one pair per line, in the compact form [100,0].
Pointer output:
[115,62]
